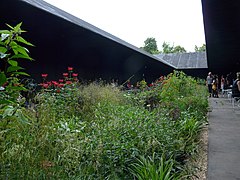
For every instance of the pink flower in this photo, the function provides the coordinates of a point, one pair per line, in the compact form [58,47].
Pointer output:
[44,75]
[74,74]
[68,82]
[60,85]
[70,68]
[61,80]
[65,74]
[55,83]
[45,85]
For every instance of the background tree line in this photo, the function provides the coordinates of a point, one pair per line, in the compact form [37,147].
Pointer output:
[150,46]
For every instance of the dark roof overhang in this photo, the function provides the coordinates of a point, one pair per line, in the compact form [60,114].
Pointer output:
[222,32]
[64,40]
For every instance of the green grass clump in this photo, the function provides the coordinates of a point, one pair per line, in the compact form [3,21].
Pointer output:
[99,132]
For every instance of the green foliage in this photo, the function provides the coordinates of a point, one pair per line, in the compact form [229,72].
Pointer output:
[179,49]
[167,48]
[100,132]
[150,46]
[200,48]
[11,50]
[153,169]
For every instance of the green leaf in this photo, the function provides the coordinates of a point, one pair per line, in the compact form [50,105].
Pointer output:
[15,51]
[3,49]
[22,40]
[13,44]
[17,29]
[21,117]
[5,32]
[21,50]
[9,26]
[16,88]
[13,68]
[9,111]
[21,73]
[3,78]
[26,49]
[5,101]
[18,26]
[13,63]
[21,56]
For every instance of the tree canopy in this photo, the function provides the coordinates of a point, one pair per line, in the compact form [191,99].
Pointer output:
[200,48]
[150,46]
[167,48]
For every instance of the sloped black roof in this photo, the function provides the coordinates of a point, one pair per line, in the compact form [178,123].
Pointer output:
[63,40]
[222,32]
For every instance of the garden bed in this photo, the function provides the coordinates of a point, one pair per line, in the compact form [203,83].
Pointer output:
[98,131]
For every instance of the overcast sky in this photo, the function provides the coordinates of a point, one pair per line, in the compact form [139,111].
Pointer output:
[178,22]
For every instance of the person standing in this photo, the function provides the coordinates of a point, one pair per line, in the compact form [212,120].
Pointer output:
[209,82]
[222,83]
[236,86]
[215,86]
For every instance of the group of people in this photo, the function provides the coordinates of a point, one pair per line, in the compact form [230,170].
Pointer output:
[212,82]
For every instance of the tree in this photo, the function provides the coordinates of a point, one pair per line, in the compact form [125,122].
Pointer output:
[179,49]
[167,48]
[150,46]
[201,48]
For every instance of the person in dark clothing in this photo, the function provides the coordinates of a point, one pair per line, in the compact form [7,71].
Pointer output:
[236,86]
[229,79]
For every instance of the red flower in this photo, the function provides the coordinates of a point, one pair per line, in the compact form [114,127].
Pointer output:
[45,85]
[68,82]
[61,80]
[65,74]
[55,83]
[58,91]
[49,83]
[44,75]
[60,85]
[70,68]
[74,74]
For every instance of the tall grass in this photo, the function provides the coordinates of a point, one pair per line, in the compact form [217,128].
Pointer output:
[99,132]
[145,169]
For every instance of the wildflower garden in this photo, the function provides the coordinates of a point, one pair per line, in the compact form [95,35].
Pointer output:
[71,130]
